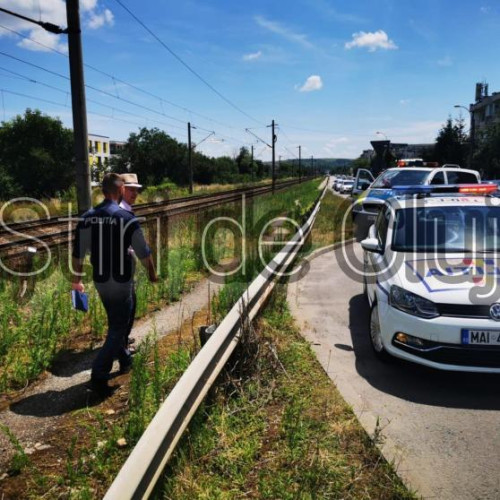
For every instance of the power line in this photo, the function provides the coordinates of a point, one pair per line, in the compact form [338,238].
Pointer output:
[116,79]
[48,101]
[258,138]
[51,28]
[93,101]
[238,141]
[186,65]
[109,94]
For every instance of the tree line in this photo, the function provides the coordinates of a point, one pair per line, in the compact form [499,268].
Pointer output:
[37,159]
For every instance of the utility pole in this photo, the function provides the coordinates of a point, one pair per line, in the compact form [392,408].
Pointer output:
[300,171]
[274,156]
[251,165]
[472,136]
[190,160]
[80,132]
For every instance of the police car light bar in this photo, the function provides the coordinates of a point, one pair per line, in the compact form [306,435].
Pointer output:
[477,188]
[450,188]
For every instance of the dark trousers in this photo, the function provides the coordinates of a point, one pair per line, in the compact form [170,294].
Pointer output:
[118,303]
[132,314]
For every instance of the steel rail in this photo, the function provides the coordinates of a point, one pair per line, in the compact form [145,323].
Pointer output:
[35,223]
[191,204]
[141,471]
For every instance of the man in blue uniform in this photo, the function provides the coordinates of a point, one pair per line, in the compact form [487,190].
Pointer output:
[131,188]
[107,232]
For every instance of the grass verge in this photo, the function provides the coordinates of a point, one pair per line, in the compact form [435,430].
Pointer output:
[328,228]
[34,331]
[280,430]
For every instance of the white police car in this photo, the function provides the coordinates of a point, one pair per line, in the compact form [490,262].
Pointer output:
[370,194]
[432,278]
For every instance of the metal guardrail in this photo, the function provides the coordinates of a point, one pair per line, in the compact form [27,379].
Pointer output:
[147,460]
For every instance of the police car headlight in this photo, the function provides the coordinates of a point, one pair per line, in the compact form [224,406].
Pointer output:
[411,303]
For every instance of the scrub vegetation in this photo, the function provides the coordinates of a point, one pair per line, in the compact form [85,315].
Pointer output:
[104,435]
[278,429]
[274,427]
[37,322]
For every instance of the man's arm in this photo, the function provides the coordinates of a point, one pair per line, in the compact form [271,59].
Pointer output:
[143,251]
[76,282]
[81,245]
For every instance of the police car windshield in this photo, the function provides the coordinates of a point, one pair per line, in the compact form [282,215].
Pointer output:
[402,177]
[451,229]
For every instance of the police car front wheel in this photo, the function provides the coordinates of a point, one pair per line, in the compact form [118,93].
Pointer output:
[376,336]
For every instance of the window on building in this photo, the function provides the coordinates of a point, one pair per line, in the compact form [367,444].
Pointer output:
[105,147]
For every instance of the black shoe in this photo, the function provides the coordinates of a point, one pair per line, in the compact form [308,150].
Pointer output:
[101,387]
[131,340]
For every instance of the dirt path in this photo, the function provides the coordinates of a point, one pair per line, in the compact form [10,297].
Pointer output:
[35,413]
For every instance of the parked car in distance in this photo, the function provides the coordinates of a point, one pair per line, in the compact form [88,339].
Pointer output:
[346,186]
[367,204]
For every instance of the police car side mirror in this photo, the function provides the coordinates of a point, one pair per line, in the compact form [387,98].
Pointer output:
[372,245]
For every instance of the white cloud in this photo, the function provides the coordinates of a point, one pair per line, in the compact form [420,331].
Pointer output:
[88,4]
[445,62]
[97,21]
[314,82]
[485,9]
[283,31]
[371,41]
[46,41]
[53,11]
[404,102]
[253,56]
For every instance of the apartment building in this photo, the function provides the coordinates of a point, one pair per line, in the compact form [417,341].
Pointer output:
[99,153]
[486,109]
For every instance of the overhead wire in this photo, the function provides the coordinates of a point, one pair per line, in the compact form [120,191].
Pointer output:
[128,101]
[95,89]
[186,65]
[48,101]
[93,101]
[109,94]
[119,80]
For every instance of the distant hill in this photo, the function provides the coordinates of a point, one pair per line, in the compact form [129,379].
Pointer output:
[332,163]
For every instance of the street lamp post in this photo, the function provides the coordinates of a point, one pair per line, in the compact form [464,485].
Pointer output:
[471,132]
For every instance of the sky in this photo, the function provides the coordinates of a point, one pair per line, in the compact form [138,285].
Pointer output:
[334,75]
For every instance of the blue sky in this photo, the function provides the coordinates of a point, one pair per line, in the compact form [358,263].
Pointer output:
[331,73]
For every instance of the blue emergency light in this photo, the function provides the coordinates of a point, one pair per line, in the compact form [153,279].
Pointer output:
[401,190]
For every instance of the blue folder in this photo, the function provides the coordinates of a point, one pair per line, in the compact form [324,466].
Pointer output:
[80,300]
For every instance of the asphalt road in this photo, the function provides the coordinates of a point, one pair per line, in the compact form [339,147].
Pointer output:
[442,429]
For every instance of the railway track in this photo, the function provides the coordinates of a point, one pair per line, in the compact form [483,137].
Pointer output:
[19,238]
